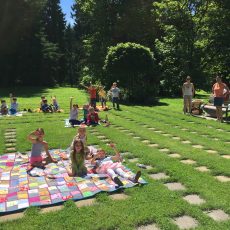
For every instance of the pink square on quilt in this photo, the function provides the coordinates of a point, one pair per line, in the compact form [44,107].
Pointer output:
[34,199]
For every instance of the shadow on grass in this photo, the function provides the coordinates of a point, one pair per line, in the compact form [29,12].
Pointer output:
[24,91]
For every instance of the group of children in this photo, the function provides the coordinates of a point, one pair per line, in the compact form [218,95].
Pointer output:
[79,154]
[46,108]
[14,106]
[90,116]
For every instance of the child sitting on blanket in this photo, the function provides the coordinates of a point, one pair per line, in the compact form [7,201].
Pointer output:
[81,134]
[92,117]
[4,107]
[85,112]
[45,107]
[55,104]
[77,157]
[13,105]
[112,166]
[38,145]
[73,114]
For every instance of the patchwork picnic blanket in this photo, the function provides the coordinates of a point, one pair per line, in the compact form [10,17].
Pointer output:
[52,185]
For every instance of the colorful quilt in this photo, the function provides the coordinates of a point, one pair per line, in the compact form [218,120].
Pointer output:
[52,185]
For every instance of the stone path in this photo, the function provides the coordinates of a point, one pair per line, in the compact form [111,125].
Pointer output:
[10,140]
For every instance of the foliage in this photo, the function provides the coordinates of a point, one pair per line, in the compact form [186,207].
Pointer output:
[133,64]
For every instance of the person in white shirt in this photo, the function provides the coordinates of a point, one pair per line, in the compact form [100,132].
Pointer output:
[188,93]
[115,95]
[73,115]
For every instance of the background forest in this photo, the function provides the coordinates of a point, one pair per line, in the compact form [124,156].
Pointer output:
[141,43]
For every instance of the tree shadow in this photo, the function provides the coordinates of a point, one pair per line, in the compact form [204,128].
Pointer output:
[24,91]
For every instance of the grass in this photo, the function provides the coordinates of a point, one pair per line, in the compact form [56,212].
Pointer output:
[152,203]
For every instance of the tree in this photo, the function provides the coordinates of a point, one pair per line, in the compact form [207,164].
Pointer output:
[133,64]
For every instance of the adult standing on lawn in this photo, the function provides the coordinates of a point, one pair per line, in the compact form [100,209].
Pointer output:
[115,95]
[188,93]
[219,90]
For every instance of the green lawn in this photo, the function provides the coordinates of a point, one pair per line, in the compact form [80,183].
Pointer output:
[164,125]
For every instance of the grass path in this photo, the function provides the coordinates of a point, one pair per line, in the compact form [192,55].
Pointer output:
[133,129]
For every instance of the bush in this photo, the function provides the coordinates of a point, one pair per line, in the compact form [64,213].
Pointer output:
[133,65]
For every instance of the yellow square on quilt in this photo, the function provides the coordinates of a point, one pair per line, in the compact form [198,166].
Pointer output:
[3,192]
[12,203]
[22,195]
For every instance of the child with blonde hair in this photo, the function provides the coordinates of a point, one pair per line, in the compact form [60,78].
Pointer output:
[38,145]
[112,166]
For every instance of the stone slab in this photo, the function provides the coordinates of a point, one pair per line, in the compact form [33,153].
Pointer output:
[218,215]
[175,186]
[134,160]
[151,128]
[223,178]
[176,138]
[148,227]
[51,209]
[194,199]
[153,145]
[158,131]
[226,156]
[202,169]
[188,162]
[185,222]
[164,150]
[186,142]
[198,146]
[159,176]
[211,151]
[166,134]
[119,196]
[174,155]
[87,202]
[136,137]
[145,141]
[13,216]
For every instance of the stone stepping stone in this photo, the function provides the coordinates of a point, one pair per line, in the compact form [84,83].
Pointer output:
[119,196]
[101,137]
[216,139]
[158,131]
[211,151]
[186,142]
[11,149]
[176,186]
[227,142]
[13,216]
[130,134]
[202,169]
[188,162]
[164,150]
[145,126]
[198,146]
[10,140]
[185,222]
[148,167]
[223,178]
[106,140]
[174,155]
[176,126]
[126,154]
[151,128]
[133,160]
[166,134]
[218,215]
[136,137]
[184,129]
[87,202]
[176,138]
[159,176]
[10,144]
[221,130]
[193,132]
[148,227]
[204,135]
[226,156]
[124,130]
[145,141]
[153,145]
[194,199]
[51,209]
